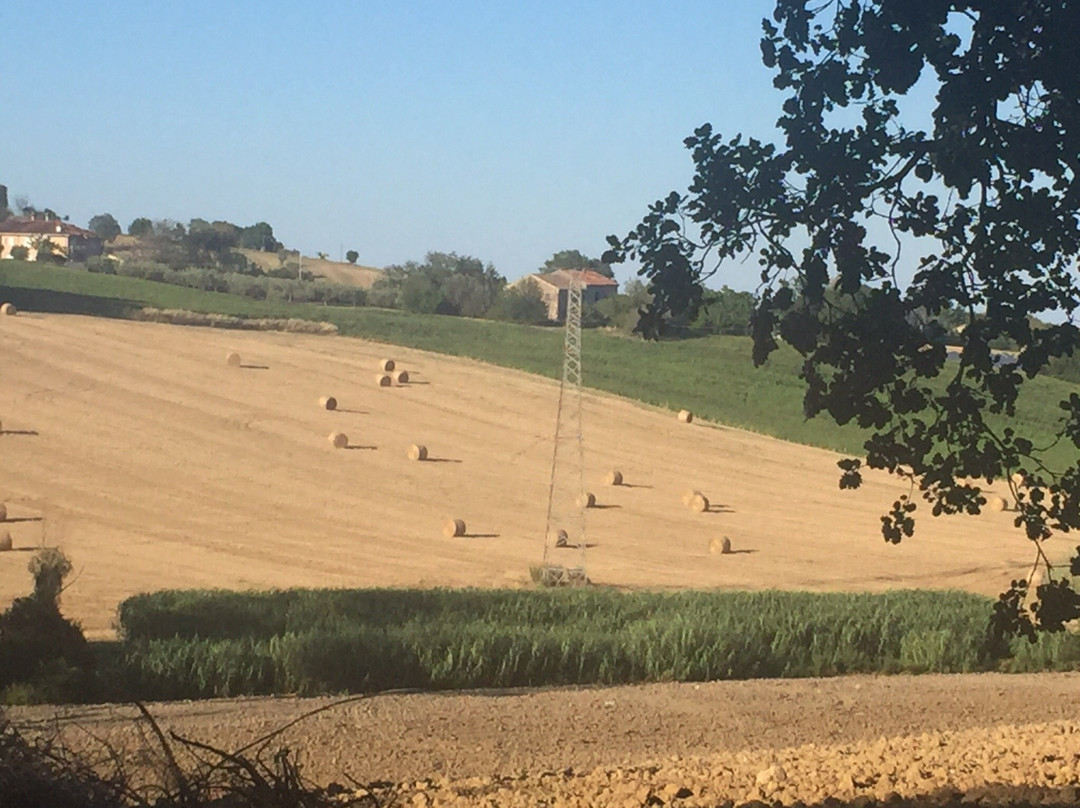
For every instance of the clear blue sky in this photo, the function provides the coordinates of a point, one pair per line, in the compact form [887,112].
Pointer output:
[503,130]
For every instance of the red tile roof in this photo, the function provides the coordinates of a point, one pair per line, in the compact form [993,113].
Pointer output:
[561,278]
[43,227]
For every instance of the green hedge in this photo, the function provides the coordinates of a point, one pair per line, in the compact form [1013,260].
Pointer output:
[195,644]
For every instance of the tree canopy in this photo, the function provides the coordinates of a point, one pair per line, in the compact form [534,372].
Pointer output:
[864,215]
[445,283]
[574,259]
[105,226]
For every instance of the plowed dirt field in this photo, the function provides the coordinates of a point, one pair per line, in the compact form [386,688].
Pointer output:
[996,739]
[154,464]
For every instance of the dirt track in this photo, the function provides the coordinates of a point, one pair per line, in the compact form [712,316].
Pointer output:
[1002,737]
[154,465]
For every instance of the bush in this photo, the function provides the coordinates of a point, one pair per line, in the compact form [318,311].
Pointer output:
[40,649]
[519,304]
[20,253]
[101,264]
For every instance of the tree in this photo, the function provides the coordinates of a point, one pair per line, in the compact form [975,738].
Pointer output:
[141,227]
[259,236]
[572,259]
[352,256]
[522,303]
[106,226]
[445,283]
[979,204]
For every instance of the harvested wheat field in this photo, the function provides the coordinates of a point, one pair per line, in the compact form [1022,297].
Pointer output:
[155,464]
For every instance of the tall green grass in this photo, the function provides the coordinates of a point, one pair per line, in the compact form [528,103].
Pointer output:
[197,644]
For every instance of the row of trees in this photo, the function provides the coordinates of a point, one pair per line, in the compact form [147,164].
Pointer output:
[200,244]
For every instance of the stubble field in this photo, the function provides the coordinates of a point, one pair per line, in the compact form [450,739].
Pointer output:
[155,465]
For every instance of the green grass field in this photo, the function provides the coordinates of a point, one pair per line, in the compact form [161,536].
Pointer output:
[712,376]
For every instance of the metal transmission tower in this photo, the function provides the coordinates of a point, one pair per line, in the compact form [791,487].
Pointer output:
[566,510]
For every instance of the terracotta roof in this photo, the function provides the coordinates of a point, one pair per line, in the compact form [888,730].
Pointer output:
[561,278]
[43,227]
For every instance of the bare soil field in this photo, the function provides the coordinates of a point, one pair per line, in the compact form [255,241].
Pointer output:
[155,464]
[996,739]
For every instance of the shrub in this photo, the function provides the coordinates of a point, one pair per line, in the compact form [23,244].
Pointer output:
[19,252]
[519,304]
[39,648]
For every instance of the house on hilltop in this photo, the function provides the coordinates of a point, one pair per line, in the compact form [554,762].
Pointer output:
[553,287]
[67,240]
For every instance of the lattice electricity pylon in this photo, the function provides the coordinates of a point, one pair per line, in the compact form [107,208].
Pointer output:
[565,528]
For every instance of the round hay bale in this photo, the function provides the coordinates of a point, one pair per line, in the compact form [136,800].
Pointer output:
[387,365]
[688,495]
[562,538]
[328,403]
[8,309]
[3,512]
[685,416]
[233,359]
[383,379]
[613,477]
[1019,479]
[339,440]
[586,499]
[699,503]
[720,546]
[453,527]
[402,377]
[5,541]
[996,503]
[417,452]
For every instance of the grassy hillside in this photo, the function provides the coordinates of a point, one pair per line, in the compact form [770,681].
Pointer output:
[712,376]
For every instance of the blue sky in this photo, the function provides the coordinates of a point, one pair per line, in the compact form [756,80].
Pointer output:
[502,130]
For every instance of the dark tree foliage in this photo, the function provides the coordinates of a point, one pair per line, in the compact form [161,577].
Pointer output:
[105,226]
[141,227]
[574,259]
[982,201]
[352,256]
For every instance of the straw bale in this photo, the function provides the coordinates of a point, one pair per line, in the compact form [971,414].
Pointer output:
[720,546]
[686,416]
[383,379]
[613,477]
[387,365]
[8,309]
[562,538]
[233,359]
[996,503]
[688,495]
[586,499]
[5,541]
[698,503]
[453,527]
[3,512]
[402,377]
[328,403]
[417,452]
[339,440]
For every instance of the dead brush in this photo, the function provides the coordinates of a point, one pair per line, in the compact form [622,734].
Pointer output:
[42,771]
